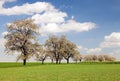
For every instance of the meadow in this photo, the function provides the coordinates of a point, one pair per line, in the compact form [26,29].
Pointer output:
[86,71]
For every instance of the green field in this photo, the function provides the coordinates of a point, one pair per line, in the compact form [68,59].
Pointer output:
[60,72]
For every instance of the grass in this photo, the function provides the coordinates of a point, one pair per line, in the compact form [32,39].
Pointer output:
[86,71]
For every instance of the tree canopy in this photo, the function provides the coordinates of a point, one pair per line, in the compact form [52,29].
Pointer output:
[21,37]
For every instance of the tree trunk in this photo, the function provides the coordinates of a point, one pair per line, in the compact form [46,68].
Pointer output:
[67,61]
[80,60]
[51,60]
[56,60]
[25,54]
[24,62]
[42,61]
[59,61]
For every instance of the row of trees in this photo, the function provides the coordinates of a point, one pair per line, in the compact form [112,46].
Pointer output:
[22,37]
[101,58]
[79,58]
[57,49]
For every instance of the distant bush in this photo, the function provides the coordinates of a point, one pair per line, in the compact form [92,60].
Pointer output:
[100,58]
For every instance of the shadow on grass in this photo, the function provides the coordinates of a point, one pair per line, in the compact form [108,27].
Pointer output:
[17,64]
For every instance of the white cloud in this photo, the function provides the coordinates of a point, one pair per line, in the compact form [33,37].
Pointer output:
[94,50]
[26,8]
[89,50]
[110,45]
[112,40]
[82,48]
[72,25]
[50,28]
[47,17]
[50,24]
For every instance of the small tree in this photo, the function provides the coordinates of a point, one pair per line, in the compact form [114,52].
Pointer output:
[21,37]
[94,57]
[88,58]
[104,57]
[77,57]
[41,53]
[101,58]
[91,57]
[51,56]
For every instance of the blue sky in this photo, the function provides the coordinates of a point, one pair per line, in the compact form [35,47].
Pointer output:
[95,24]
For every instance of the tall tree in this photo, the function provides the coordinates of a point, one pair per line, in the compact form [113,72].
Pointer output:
[21,37]
[54,47]
[68,48]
